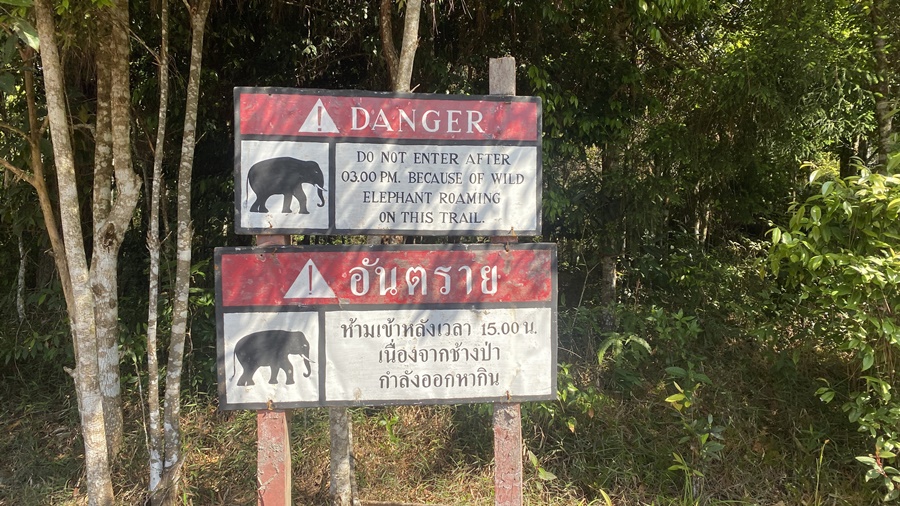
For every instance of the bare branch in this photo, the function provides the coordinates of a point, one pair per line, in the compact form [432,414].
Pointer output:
[14,130]
[19,173]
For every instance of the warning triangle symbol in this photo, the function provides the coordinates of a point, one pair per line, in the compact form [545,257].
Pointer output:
[319,120]
[310,285]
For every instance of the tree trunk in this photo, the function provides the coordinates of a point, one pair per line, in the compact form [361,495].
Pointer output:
[845,154]
[20,280]
[400,66]
[156,450]
[882,85]
[608,279]
[112,169]
[103,268]
[610,165]
[172,423]
[87,384]
[343,475]
[38,179]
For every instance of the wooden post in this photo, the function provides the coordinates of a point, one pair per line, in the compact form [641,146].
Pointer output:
[273,458]
[507,416]
[273,439]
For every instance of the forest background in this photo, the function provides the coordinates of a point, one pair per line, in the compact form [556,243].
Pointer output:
[718,176]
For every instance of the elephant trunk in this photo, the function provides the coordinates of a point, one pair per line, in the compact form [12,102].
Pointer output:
[321,192]
[308,370]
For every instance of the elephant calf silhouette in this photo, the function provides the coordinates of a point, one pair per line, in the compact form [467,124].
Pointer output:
[284,176]
[270,348]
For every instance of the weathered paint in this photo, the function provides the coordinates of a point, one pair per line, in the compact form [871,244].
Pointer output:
[273,458]
[401,275]
[317,113]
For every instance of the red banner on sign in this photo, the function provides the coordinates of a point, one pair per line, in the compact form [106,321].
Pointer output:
[373,276]
[388,117]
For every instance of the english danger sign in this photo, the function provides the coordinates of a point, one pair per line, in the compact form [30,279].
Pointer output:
[375,325]
[314,161]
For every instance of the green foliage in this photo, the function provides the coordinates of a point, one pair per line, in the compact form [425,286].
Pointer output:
[578,400]
[841,252]
[672,132]
[700,435]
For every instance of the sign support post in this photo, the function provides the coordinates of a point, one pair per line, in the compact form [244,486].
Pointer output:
[507,416]
[273,438]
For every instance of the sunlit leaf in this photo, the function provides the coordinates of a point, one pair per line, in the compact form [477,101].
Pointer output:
[27,33]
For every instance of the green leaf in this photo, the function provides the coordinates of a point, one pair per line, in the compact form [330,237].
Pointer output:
[714,447]
[7,83]
[815,213]
[868,361]
[847,208]
[9,49]
[17,3]
[27,33]
[815,262]
[675,398]
[776,235]
[545,475]
[606,498]
[676,372]
[871,474]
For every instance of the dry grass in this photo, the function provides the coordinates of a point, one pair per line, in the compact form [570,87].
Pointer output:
[442,455]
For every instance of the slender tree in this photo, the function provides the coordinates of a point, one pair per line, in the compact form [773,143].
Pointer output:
[81,314]
[115,195]
[173,457]
[400,64]
[37,177]
[155,437]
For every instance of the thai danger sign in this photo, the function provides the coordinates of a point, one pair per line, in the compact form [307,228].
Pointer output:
[314,161]
[375,325]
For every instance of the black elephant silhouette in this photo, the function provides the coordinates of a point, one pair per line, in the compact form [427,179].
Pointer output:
[270,348]
[284,176]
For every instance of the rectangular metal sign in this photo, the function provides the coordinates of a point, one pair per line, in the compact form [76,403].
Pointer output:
[377,325]
[326,162]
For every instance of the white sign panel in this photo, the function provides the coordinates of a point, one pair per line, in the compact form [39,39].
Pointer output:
[410,187]
[452,353]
